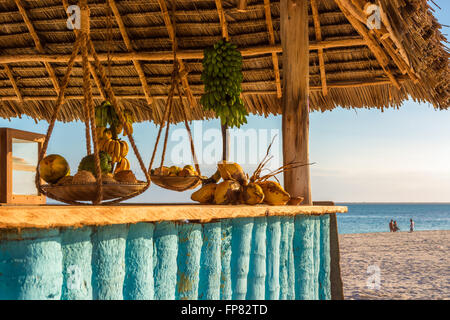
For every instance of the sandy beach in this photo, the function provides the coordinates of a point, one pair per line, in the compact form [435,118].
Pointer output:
[411,265]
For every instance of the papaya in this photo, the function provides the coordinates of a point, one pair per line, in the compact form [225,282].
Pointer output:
[88,163]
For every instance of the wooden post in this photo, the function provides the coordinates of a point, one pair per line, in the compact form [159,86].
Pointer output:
[295,102]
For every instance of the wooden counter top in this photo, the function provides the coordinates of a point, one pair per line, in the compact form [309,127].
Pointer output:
[53,216]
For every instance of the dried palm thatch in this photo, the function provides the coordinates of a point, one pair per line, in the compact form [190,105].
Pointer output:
[350,65]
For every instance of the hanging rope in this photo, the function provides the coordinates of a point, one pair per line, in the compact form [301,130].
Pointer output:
[84,43]
[175,85]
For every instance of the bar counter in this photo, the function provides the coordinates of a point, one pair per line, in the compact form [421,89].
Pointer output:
[165,251]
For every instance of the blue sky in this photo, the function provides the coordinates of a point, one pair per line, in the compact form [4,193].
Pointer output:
[361,156]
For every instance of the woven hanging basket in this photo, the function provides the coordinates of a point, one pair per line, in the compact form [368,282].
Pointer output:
[97,192]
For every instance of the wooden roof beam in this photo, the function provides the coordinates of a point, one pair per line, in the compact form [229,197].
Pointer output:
[373,45]
[37,43]
[222,19]
[136,63]
[183,72]
[331,85]
[323,76]
[276,67]
[11,78]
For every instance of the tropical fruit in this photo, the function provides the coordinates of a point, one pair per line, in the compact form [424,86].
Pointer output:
[88,163]
[222,76]
[83,177]
[108,178]
[122,165]
[227,192]
[65,181]
[114,148]
[232,171]
[126,176]
[274,194]
[174,170]
[205,194]
[163,171]
[53,167]
[252,194]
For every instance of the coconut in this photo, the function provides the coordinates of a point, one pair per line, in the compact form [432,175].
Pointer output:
[232,171]
[274,194]
[227,192]
[65,181]
[205,194]
[252,194]
[83,177]
[126,176]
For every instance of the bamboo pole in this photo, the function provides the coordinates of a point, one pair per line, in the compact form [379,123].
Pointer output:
[181,54]
[183,73]
[318,31]
[373,45]
[295,101]
[331,85]
[276,67]
[11,78]
[136,63]
[38,44]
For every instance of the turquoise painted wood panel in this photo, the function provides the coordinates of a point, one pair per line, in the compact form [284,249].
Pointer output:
[243,258]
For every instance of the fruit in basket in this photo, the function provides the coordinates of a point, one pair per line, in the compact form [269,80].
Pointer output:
[83,177]
[205,194]
[122,165]
[174,170]
[125,176]
[187,172]
[252,194]
[65,181]
[163,171]
[227,192]
[108,178]
[232,171]
[88,163]
[53,167]
[274,194]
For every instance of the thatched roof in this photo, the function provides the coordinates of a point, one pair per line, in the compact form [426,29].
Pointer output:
[353,66]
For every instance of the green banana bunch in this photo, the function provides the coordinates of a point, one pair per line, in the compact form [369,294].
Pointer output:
[222,76]
[106,114]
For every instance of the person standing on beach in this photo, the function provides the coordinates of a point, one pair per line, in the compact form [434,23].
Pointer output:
[411,225]
[395,227]
[391,226]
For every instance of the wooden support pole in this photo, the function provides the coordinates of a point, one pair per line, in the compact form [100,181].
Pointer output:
[295,101]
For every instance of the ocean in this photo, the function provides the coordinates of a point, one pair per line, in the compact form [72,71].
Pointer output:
[370,217]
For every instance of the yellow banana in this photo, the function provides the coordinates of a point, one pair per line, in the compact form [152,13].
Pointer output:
[124,148]
[117,145]
[110,148]
[127,164]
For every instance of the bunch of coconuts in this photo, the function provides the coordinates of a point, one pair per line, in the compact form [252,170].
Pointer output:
[237,188]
